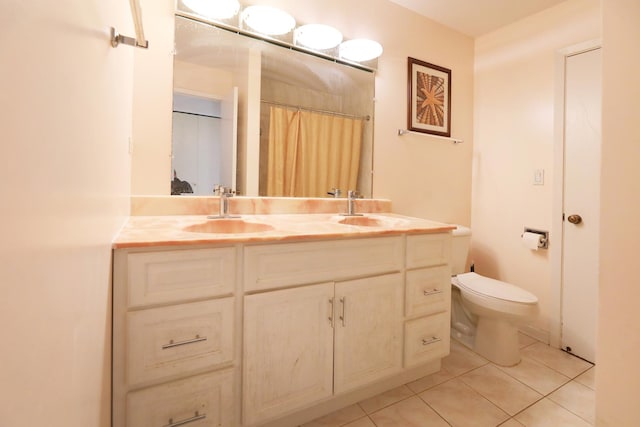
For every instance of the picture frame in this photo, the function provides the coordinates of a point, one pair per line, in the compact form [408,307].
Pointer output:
[429,98]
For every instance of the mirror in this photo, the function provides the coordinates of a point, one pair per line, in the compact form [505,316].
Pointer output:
[210,62]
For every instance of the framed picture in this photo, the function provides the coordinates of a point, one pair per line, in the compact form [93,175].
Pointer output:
[429,98]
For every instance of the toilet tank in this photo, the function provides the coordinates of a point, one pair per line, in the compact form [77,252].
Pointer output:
[460,242]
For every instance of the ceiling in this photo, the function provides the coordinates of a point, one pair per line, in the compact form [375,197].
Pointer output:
[476,17]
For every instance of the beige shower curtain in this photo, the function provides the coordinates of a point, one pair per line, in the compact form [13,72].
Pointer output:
[310,153]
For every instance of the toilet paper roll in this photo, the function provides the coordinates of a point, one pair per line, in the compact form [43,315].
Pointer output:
[531,240]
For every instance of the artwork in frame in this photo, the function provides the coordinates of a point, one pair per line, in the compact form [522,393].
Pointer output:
[429,98]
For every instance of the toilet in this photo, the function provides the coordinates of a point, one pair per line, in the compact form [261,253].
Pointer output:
[486,313]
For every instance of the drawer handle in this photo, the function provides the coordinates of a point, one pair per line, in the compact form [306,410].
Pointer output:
[429,341]
[343,316]
[196,417]
[428,292]
[172,344]
[331,312]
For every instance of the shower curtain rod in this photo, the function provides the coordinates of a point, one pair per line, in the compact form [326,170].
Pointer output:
[297,107]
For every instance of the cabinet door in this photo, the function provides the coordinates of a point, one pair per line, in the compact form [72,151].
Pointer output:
[368,344]
[288,350]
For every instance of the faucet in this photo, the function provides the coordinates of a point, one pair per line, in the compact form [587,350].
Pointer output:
[335,192]
[352,195]
[224,193]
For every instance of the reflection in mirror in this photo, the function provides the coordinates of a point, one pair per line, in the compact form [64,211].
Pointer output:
[304,123]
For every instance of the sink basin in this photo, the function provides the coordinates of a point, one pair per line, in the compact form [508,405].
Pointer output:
[228,226]
[364,221]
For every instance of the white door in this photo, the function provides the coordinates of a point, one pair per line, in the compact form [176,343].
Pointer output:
[368,332]
[288,350]
[581,200]
[229,139]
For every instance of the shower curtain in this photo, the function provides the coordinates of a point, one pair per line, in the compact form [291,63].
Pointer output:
[311,153]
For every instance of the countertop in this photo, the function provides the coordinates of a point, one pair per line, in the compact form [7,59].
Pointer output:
[172,230]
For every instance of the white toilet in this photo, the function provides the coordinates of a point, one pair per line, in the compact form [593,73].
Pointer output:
[485,313]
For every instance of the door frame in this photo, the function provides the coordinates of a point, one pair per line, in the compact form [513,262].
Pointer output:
[555,326]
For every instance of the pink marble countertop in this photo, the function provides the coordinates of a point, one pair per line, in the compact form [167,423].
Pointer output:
[171,230]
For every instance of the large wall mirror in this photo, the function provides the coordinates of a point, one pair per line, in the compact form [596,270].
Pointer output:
[266,120]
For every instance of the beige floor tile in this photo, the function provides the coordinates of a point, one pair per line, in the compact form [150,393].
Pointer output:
[511,423]
[338,418]
[588,378]
[577,398]
[462,406]
[362,422]
[525,340]
[546,413]
[385,399]
[461,359]
[502,390]
[559,360]
[411,412]
[539,377]
[424,383]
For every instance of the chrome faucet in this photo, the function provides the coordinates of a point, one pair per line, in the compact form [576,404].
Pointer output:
[335,192]
[224,193]
[352,195]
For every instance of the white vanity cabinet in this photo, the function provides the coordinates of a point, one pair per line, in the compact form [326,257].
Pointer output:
[173,337]
[274,333]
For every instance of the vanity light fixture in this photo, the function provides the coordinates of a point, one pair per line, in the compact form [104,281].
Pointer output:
[219,9]
[317,36]
[360,50]
[268,20]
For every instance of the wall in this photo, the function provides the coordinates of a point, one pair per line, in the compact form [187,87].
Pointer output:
[152,96]
[617,375]
[66,120]
[424,176]
[514,135]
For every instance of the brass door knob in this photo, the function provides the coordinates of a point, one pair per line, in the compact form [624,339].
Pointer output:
[574,219]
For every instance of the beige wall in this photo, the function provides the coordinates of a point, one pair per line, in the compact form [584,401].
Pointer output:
[152,101]
[514,135]
[66,120]
[425,177]
[618,374]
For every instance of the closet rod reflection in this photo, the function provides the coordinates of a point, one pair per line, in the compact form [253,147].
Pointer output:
[296,107]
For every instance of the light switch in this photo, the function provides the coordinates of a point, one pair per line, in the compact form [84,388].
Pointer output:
[538,177]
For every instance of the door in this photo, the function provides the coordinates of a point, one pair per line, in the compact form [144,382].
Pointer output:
[581,200]
[288,350]
[229,139]
[368,330]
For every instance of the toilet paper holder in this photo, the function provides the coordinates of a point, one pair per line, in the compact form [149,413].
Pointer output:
[544,241]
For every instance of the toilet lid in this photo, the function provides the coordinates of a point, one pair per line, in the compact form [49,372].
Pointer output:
[478,284]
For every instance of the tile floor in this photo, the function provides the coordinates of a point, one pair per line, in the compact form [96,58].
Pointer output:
[548,388]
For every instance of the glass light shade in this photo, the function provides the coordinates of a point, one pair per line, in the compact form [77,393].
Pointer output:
[317,36]
[360,50]
[215,9]
[268,20]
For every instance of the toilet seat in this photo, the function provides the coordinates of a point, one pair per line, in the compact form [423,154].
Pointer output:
[485,287]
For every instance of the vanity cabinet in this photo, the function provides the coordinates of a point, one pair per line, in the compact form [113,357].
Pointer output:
[173,337]
[274,333]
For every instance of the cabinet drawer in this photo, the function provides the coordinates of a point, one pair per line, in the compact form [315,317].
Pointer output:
[174,276]
[426,339]
[203,400]
[270,266]
[426,250]
[428,290]
[176,339]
